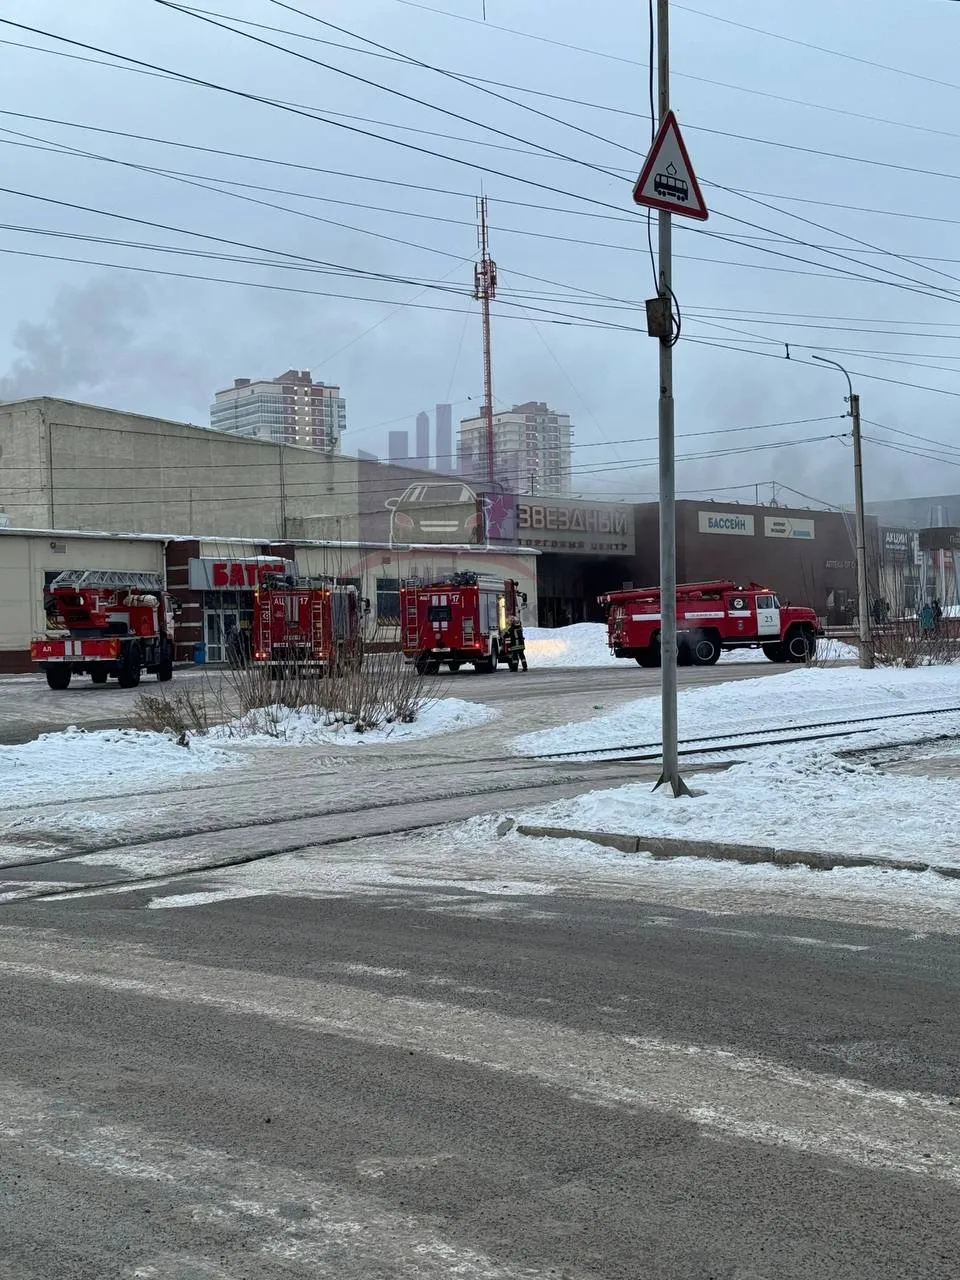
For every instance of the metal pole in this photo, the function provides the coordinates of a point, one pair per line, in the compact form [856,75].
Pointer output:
[670,775]
[485,279]
[863,606]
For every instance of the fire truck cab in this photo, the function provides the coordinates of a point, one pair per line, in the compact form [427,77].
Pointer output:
[711,617]
[304,623]
[105,623]
[465,618]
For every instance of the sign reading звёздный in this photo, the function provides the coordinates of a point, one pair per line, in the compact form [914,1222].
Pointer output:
[576,526]
[725,522]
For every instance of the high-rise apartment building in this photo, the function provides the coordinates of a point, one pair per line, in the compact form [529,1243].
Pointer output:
[532,447]
[398,446]
[422,455]
[445,458]
[291,409]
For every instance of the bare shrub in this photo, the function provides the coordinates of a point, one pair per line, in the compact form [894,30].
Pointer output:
[382,690]
[183,712]
[902,642]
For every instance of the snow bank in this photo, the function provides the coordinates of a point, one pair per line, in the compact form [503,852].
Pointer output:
[310,726]
[75,763]
[804,798]
[582,645]
[828,650]
[585,645]
[802,695]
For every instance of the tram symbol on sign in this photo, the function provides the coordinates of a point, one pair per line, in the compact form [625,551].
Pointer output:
[668,184]
[667,181]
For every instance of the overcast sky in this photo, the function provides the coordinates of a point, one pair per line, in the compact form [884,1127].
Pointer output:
[162,345]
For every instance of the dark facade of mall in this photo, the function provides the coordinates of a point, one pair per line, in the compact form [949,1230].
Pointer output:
[806,556]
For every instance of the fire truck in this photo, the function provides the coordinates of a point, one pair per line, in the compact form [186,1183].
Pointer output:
[303,623]
[464,618]
[711,616]
[105,623]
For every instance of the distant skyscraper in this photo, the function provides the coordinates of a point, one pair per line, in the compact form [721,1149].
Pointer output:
[291,409]
[531,444]
[422,456]
[398,446]
[445,458]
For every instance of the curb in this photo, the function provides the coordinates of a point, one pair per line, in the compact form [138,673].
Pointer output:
[665,848]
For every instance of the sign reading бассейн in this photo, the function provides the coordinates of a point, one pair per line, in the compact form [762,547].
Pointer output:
[725,522]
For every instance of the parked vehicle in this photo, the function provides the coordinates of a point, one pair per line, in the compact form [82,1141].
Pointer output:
[302,624]
[711,617]
[465,618]
[106,624]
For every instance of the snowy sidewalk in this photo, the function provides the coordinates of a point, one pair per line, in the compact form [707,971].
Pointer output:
[804,796]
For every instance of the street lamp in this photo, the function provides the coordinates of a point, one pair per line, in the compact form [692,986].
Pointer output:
[866,645]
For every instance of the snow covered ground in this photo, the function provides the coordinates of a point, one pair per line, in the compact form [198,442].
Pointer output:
[798,696]
[76,763]
[65,766]
[582,645]
[801,796]
[279,726]
[585,645]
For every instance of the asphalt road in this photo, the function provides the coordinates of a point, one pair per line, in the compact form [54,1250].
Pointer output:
[378,1052]
[373,1089]
[28,707]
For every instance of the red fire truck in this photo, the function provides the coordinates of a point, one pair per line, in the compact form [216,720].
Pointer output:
[105,623]
[303,623]
[711,616]
[466,617]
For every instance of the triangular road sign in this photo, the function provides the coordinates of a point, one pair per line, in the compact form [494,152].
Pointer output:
[668,181]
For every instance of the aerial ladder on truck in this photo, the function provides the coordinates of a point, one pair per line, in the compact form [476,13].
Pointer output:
[106,623]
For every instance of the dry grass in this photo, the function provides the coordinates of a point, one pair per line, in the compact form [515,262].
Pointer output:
[183,712]
[383,690]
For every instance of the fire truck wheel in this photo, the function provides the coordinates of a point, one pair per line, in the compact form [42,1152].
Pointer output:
[128,676]
[685,656]
[454,666]
[165,666]
[649,657]
[99,675]
[775,652]
[801,646]
[705,650]
[58,677]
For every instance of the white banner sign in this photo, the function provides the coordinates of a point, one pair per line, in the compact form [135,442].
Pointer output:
[726,522]
[781,527]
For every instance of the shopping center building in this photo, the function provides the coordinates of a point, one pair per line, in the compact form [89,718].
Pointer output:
[88,487]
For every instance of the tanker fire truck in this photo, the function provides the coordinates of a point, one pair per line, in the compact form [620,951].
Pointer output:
[464,618]
[303,624]
[105,623]
[711,616]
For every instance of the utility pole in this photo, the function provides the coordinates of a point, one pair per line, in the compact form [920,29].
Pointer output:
[670,775]
[485,290]
[863,608]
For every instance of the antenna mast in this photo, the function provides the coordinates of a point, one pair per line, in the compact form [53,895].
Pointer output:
[485,290]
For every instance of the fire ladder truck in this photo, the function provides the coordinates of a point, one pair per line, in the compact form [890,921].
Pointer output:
[104,623]
[465,617]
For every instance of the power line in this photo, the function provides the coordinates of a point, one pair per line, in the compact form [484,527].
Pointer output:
[819,48]
[307,115]
[397,93]
[443,71]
